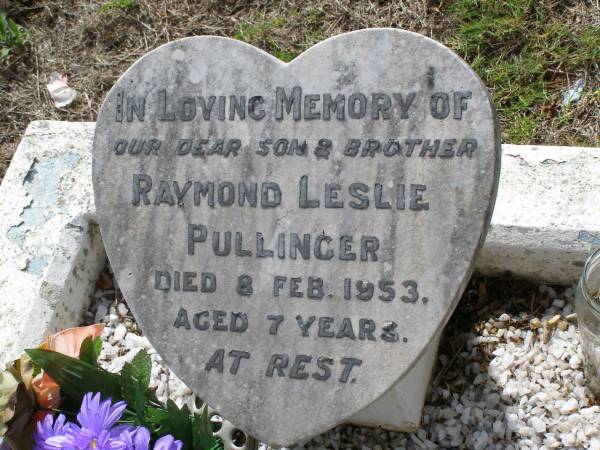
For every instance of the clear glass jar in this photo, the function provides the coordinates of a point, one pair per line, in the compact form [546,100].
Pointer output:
[587,306]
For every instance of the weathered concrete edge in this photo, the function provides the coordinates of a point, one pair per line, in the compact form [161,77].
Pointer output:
[52,252]
[547,219]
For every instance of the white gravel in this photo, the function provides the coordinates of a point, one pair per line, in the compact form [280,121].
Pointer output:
[516,383]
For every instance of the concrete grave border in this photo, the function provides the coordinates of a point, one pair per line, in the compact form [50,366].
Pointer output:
[545,223]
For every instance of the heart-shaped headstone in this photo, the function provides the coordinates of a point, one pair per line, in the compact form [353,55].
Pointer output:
[291,236]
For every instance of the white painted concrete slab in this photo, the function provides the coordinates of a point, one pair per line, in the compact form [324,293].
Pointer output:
[546,222]
[547,216]
[51,253]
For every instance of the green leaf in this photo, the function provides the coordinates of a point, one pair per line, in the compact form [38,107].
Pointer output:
[3,28]
[98,380]
[14,29]
[75,377]
[156,415]
[90,350]
[36,371]
[174,421]
[140,403]
[179,422]
[193,430]
[203,437]
[134,381]
[142,366]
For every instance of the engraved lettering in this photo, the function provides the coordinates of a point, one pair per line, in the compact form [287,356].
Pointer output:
[216,361]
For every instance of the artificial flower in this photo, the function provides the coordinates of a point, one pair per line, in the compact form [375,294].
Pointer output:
[139,439]
[96,420]
[68,342]
[53,434]
[168,442]
[47,392]
[96,429]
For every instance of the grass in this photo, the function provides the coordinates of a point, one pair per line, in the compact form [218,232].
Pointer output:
[260,33]
[13,39]
[527,52]
[115,4]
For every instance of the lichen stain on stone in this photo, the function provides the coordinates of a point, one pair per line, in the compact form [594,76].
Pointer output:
[51,293]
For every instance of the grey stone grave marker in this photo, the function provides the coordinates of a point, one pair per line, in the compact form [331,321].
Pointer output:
[291,236]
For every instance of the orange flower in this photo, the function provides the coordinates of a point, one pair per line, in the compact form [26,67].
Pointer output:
[68,342]
[47,392]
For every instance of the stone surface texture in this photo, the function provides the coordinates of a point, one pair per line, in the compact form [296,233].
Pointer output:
[501,251]
[51,252]
[399,409]
[435,247]
[547,215]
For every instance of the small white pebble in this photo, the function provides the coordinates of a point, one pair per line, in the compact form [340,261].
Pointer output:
[569,406]
[122,309]
[558,303]
[574,361]
[535,323]
[119,334]
[538,425]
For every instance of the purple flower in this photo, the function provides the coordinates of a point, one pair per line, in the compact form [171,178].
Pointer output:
[97,430]
[53,434]
[96,419]
[139,439]
[168,442]
[88,440]
[97,416]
